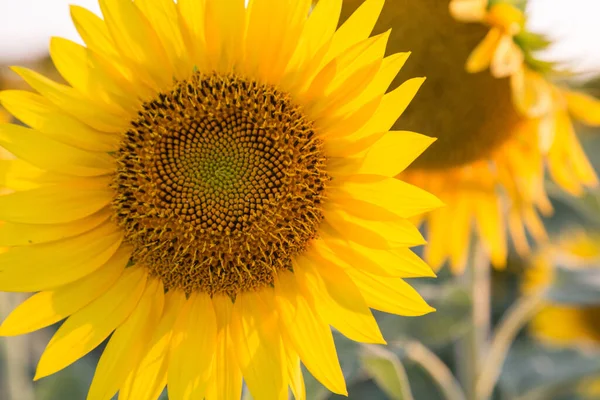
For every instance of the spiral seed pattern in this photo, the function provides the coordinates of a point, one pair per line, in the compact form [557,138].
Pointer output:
[219,184]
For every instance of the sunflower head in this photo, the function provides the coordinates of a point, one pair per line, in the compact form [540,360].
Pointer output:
[502,126]
[219,184]
[213,188]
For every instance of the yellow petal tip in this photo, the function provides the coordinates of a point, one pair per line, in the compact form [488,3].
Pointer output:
[38,376]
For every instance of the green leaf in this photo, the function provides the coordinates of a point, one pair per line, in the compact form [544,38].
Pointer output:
[532,41]
[387,371]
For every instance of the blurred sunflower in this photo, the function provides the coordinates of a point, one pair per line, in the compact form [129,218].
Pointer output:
[214,188]
[501,122]
[578,324]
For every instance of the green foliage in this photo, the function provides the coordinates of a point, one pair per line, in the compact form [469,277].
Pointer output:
[438,329]
[385,368]
[576,286]
[535,371]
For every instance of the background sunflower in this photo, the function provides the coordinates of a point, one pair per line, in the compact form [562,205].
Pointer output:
[505,120]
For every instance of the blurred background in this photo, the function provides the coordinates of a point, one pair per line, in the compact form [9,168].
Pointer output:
[550,351]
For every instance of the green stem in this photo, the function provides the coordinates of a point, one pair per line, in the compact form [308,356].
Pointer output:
[440,373]
[476,342]
[513,321]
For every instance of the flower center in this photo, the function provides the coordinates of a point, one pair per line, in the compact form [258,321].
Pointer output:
[470,114]
[219,184]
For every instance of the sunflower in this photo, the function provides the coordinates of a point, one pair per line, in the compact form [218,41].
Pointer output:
[579,325]
[501,123]
[566,325]
[213,189]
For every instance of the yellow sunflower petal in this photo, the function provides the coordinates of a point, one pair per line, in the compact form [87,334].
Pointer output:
[20,175]
[567,163]
[313,45]
[87,328]
[192,349]
[80,68]
[68,100]
[69,201]
[274,29]
[481,58]
[192,16]
[308,334]
[37,112]
[225,23]
[507,59]
[336,299]
[45,153]
[395,151]
[400,262]
[391,108]
[128,343]
[506,16]
[390,194]
[516,227]
[436,251]
[15,234]
[94,33]
[381,82]
[48,265]
[531,92]
[356,28]
[583,107]
[137,42]
[492,228]
[339,129]
[346,148]
[375,234]
[46,308]
[149,379]
[461,220]
[389,295]
[258,345]
[346,77]
[164,18]
[295,376]
[226,382]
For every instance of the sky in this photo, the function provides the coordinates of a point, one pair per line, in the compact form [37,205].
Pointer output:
[27,25]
